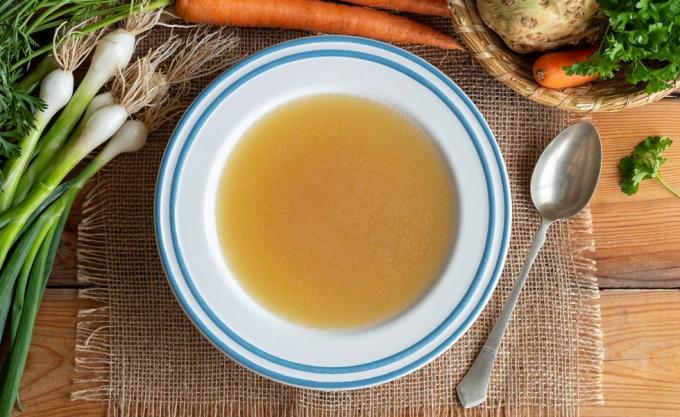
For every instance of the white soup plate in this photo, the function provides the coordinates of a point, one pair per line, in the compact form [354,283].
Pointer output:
[186,226]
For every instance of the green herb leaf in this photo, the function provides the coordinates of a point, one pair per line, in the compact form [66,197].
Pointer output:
[644,163]
[642,42]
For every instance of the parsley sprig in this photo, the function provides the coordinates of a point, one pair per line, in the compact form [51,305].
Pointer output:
[645,163]
[642,41]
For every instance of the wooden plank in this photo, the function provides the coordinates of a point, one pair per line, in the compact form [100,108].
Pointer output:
[642,354]
[637,237]
[641,371]
[48,380]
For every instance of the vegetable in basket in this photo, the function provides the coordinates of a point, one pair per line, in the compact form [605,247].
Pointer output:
[549,69]
[542,25]
[640,41]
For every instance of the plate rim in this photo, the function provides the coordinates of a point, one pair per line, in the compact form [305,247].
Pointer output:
[484,263]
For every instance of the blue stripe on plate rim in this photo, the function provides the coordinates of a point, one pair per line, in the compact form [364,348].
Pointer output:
[356,368]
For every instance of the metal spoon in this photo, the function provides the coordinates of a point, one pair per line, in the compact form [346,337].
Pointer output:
[563,182]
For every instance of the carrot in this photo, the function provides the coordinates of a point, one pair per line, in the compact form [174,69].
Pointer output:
[315,16]
[548,69]
[428,7]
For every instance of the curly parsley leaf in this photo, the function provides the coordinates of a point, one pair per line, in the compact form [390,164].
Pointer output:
[642,42]
[645,163]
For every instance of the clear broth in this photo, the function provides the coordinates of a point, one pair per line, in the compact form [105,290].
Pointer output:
[335,211]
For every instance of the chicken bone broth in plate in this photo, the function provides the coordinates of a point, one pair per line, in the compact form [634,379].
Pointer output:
[404,326]
[335,211]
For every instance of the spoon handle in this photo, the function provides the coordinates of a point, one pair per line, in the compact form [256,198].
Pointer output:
[472,389]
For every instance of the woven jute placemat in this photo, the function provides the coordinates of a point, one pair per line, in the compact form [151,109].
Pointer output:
[139,353]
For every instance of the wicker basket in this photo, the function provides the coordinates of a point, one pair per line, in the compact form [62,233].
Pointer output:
[514,70]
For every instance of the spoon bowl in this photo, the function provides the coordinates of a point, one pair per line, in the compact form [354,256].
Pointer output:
[566,174]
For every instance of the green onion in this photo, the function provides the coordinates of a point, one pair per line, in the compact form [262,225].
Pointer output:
[20,291]
[112,54]
[12,269]
[39,259]
[55,91]
[102,125]
[16,360]
[99,101]
[66,200]
[21,23]
[34,199]
[109,20]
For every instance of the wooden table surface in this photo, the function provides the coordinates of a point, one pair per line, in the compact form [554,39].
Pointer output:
[638,253]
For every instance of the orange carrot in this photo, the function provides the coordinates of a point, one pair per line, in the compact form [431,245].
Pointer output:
[315,16]
[428,7]
[548,69]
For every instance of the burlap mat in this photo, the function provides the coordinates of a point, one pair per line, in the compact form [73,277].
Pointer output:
[141,354]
